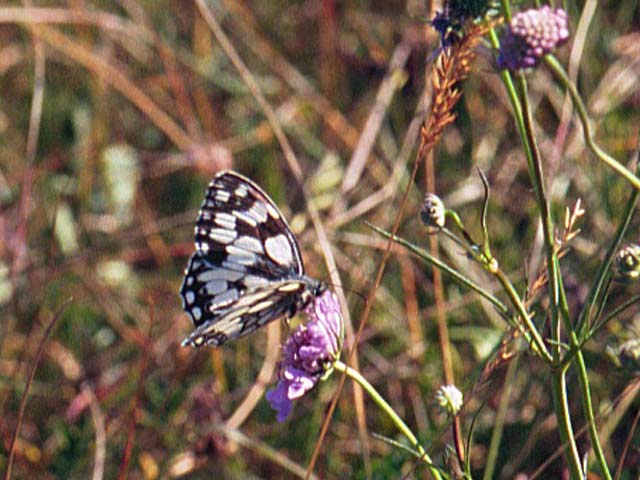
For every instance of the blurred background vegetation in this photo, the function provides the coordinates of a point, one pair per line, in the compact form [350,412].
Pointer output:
[114,116]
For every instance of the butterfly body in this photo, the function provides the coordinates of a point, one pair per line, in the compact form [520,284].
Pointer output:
[247,270]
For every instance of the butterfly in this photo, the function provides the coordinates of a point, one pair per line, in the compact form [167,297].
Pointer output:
[246,270]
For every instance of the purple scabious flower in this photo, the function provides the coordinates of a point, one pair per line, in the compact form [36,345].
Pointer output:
[309,353]
[530,35]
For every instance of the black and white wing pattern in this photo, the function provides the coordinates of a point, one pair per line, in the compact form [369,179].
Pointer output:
[247,270]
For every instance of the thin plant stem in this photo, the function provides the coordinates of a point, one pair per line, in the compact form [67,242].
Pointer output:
[498,424]
[524,122]
[559,387]
[25,394]
[602,303]
[457,276]
[585,391]
[515,103]
[584,322]
[526,318]
[537,180]
[506,9]
[555,286]
[587,408]
[617,311]
[625,450]
[603,156]
[388,409]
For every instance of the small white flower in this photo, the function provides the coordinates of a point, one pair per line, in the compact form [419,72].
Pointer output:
[449,399]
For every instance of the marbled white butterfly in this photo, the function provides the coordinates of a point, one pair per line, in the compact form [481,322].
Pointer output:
[247,270]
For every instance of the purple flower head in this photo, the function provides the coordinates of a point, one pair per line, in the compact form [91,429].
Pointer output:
[309,353]
[530,35]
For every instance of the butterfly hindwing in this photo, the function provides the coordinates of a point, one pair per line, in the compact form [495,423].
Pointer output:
[247,270]
[250,312]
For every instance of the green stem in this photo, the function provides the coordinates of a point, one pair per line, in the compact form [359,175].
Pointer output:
[449,234]
[563,305]
[506,8]
[587,407]
[382,403]
[537,181]
[603,156]
[567,437]
[458,277]
[501,415]
[515,104]
[602,303]
[556,290]
[617,311]
[583,379]
[584,320]
[524,122]
[526,318]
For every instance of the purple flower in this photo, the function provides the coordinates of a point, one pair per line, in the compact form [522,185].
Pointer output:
[309,353]
[530,35]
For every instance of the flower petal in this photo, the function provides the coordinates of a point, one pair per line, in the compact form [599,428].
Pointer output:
[277,398]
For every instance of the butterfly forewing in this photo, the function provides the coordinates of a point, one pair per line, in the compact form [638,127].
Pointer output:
[238,219]
[246,270]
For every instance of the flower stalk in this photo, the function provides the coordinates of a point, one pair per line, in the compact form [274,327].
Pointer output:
[603,156]
[388,409]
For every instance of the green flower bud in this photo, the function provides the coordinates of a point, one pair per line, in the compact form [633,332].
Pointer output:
[627,263]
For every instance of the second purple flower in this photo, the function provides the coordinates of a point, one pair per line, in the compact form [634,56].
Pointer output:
[530,35]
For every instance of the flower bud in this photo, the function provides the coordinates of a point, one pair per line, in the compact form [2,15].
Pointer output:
[432,212]
[627,263]
[627,355]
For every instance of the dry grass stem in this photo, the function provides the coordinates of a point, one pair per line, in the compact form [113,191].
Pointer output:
[451,67]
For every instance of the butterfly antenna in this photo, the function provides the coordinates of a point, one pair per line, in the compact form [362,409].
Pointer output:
[326,280]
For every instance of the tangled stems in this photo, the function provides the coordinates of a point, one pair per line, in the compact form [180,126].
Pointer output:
[458,277]
[584,326]
[530,332]
[538,343]
[382,403]
[559,303]
[556,289]
[524,122]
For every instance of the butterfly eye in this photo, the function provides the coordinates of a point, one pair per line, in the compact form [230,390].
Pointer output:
[246,270]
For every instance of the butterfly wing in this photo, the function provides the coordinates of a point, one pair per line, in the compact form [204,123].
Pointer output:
[247,269]
[248,312]
[239,221]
